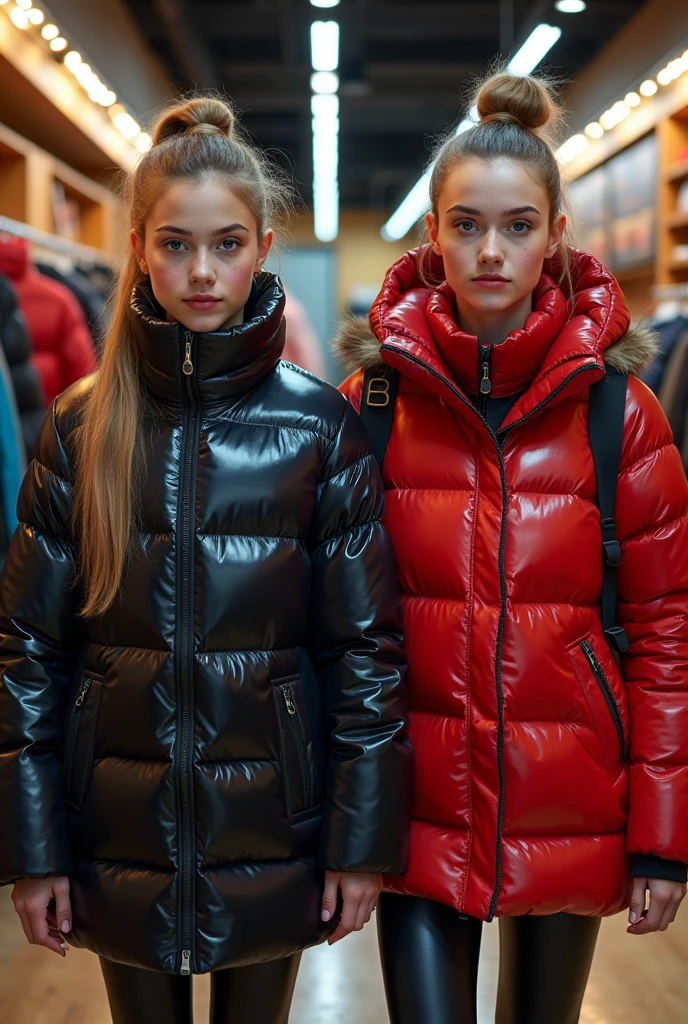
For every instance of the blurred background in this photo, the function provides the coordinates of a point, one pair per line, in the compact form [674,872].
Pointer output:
[350,97]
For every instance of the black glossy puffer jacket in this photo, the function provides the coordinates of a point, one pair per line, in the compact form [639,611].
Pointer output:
[235,724]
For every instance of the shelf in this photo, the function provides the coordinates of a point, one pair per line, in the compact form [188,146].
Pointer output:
[679,220]
[677,172]
[679,266]
[635,273]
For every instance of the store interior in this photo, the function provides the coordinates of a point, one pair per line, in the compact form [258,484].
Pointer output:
[352,115]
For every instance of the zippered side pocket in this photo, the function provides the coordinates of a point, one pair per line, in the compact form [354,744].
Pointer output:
[296,746]
[606,690]
[80,738]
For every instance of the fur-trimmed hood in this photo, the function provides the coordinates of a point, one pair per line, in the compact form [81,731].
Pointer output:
[357,345]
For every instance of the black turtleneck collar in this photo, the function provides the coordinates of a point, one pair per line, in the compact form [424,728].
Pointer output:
[227,363]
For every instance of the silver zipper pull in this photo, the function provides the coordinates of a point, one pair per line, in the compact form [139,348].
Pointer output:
[485,383]
[84,690]
[291,707]
[186,962]
[187,366]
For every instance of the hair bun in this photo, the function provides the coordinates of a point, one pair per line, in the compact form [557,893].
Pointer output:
[516,99]
[203,116]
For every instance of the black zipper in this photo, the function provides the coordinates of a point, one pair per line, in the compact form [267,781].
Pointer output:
[499,439]
[185,651]
[306,781]
[607,693]
[484,378]
[72,729]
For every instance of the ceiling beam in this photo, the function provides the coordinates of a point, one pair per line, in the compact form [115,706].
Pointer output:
[187,46]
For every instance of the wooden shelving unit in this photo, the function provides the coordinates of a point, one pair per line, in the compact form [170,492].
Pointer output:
[672,224]
[28,179]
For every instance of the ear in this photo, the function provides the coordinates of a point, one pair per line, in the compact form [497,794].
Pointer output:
[264,247]
[138,245]
[431,225]
[556,234]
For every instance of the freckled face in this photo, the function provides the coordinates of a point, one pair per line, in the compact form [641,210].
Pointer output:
[201,248]
[493,232]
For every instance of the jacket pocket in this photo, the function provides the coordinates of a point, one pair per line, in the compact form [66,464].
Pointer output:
[596,672]
[296,746]
[80,739]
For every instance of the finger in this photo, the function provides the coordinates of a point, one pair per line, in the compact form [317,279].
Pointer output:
[63,907]
[650,922]
[637,905]
[25,921]
[329,900]
[668,915]
[362,915]
[41,932]
[346,923]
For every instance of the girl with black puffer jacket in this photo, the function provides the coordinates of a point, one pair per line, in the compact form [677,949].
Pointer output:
[203,759]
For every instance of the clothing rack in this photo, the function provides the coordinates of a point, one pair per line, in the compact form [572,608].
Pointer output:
[50,246]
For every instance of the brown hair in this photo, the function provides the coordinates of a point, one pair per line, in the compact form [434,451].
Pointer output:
[194,139]
[518,117]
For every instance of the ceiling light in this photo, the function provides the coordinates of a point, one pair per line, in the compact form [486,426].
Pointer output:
[664,76]
[3,2]
[108,98]
[24,4]
[537,45]
[19,17]
[325,3]
[614,115]
[325,111]
[127,125]
[59,44]
[594,130]
[324,82]
[143,142]
[36,17]
[648,88]
[50,31]
[632,99]
[325,45]
[572,148]
[72,60]
[570,6]
[84,75]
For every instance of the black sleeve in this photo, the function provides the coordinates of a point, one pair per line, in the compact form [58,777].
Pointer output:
[37,655]
[356,646]
[646,865]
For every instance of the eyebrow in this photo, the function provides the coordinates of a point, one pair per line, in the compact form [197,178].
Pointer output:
[506,213]
[221,231]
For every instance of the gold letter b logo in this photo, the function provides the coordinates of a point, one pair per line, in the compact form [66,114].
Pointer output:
[378,392]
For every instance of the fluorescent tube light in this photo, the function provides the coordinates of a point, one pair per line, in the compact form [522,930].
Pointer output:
[325,3]
[537,45]
[325,45]
[325,110]
[324,82]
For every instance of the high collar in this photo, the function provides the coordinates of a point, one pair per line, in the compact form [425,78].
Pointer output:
[226,364]
[559,353]
[14,257]
[516,361]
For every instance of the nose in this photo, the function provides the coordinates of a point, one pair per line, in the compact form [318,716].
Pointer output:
[202,270]
[491,251]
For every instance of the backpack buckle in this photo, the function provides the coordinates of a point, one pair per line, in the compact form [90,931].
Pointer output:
[378,395]
[612,548]
[618,639]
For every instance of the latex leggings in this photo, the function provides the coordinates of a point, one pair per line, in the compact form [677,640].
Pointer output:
[259,994]
[430,964]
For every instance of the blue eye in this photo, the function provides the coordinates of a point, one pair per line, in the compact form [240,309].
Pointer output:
[226,242]
[175,245]
[520,226]
[465,225]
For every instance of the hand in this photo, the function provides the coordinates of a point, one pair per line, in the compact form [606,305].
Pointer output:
[665,899]
[31,897]
[359,895]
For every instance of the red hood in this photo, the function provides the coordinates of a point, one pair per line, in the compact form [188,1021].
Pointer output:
[409,319]
[14,257]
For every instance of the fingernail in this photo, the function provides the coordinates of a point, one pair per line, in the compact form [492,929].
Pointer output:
[66,926]
[633,917]
[326,915]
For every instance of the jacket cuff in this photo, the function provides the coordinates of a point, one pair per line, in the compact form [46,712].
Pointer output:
[646,865]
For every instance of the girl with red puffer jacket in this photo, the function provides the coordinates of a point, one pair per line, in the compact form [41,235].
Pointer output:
[551,786]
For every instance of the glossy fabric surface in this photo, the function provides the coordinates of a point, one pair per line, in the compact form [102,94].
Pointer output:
[523,803]
[215,770]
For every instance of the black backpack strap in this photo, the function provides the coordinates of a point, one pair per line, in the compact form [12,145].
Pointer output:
[379,395]
[605,428]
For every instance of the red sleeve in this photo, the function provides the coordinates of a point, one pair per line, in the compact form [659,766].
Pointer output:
[652,517]
[352,388]
[77,354]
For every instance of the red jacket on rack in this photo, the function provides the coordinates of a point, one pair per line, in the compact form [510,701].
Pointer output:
[62,344]
[539,766]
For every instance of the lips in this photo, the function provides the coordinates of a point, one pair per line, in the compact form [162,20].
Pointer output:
[201,302]
[491,281]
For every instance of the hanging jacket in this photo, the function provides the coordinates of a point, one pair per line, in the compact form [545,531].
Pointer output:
[62,345]
[90,301]
[235,723]
[12,461]
[539,765]
[26,383]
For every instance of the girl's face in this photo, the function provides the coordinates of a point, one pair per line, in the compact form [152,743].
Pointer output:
[493,231]
[202,249]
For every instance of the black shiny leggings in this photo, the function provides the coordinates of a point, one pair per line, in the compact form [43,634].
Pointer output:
[259,994]
[430,964]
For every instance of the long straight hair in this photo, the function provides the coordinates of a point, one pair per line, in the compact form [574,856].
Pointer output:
[192,140]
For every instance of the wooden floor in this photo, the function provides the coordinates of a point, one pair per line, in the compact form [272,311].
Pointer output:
[640,980]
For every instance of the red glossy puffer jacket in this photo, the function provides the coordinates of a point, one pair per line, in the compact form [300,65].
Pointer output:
[532,784]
